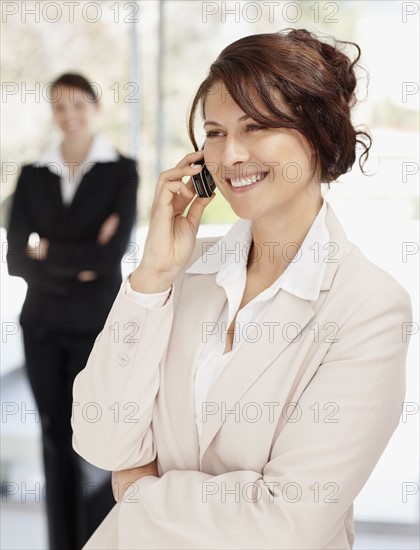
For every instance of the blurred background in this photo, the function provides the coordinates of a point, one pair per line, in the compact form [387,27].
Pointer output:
[147,59]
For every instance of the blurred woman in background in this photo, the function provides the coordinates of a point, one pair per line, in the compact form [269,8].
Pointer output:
[80,199]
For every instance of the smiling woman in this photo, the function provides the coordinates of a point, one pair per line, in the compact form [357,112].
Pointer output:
[74,106]
[267,371]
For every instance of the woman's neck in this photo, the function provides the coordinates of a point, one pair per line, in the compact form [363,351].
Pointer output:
[276,242]
[75,149]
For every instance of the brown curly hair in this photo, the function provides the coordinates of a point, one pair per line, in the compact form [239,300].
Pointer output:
[316,80]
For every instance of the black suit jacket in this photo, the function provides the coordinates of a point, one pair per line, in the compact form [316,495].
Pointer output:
[55,298]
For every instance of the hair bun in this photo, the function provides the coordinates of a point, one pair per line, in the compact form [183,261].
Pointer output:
[343,69]
[338,62]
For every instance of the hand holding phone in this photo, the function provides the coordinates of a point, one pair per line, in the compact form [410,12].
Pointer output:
[172,235]
[203,181]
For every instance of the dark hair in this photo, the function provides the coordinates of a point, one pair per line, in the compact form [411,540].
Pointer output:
[315,79]
[74,80]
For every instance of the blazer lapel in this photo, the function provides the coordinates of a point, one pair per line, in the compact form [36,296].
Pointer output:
[87,180]
[282,322]
[53,191]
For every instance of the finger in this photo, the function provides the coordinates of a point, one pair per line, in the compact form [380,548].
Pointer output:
[190,158]
[112,219]
[106,234]
[196,210]
[114,222]
[190,186]
[106,231]
[106,227]
[175,175]
[181,202]
[182,199]
[174,192]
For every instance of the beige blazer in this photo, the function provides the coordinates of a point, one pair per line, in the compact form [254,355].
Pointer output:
[293,427]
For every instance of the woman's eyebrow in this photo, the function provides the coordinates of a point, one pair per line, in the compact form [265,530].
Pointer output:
[212,123]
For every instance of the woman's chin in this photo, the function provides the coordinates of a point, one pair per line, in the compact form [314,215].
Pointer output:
[243,211]
[73,133]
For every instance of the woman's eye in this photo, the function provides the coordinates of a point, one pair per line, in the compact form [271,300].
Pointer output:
[214,133]
[253,127]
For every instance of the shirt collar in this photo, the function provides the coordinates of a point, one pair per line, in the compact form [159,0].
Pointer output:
[100,151]
[302,277]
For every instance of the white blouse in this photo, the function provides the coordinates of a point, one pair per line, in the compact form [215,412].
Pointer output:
[72,174]
[302,277]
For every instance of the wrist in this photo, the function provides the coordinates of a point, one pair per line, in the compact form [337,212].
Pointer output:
[149,281]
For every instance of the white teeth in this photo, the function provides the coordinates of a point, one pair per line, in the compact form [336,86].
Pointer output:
[247,181]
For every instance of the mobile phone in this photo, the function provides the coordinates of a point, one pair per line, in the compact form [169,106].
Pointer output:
[203,181]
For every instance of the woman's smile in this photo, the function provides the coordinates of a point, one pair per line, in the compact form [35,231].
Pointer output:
[241,185]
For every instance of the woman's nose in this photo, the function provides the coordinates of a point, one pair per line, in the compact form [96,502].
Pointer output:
[67,111]
[235,153]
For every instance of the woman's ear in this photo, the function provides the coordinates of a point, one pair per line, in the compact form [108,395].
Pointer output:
[315,166]
[314,157]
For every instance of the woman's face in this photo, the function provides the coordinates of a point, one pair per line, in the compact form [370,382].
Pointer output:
[73,111]
[278,162]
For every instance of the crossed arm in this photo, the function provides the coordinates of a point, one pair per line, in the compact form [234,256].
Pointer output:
[53,263]
[105,234]
[122,480]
